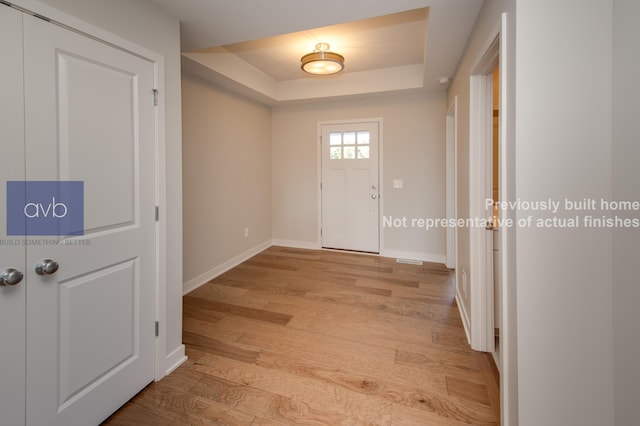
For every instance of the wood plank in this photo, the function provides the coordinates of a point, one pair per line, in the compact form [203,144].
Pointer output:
[218,347]
[265,284]
[432,312]
[226,308]
[402,415]
[207,315]
[189,408]
[465,389]
[215,292]
[451,342]
[269,265]
[466,367]
[216,330]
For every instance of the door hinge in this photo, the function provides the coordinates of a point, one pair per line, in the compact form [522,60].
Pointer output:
[155,97]
[320,185]
[157,213]
[157,329]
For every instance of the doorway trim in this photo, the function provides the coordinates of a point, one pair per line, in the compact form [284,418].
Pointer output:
[452,190]
[380,174]
[499,44]
[480,179]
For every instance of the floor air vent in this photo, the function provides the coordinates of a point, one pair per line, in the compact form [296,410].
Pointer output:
[410,261]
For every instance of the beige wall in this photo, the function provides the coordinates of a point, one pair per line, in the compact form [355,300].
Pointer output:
[413,150]
[564,277]
[626,243]
[226,175]
[146,24]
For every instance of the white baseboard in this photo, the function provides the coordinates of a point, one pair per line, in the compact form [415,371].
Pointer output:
[414,255]
[310,245]
[202,279]
[463,315]
[175,359]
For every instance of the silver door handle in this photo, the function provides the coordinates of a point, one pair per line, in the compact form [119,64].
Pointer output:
[46,267]
[374,196]
[10,276]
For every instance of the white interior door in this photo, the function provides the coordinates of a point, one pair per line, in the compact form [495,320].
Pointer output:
[12,249]
[350,188]
[90,325]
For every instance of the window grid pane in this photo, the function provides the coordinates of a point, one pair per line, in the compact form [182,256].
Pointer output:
[349,152]
[335,153]
[335,138]
[349,138]
[363,138]
[363,152]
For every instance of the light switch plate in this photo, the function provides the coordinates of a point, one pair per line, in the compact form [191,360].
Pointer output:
[398,184]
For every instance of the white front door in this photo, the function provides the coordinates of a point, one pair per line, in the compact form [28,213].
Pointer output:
[90,325]
[350,188]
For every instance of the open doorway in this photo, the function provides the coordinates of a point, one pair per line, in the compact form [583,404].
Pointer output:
[491,179]
[484,164]
[495,193]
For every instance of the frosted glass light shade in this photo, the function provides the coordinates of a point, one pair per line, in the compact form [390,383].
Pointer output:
[322,63]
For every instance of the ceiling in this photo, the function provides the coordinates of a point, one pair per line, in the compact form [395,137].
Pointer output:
[254,47]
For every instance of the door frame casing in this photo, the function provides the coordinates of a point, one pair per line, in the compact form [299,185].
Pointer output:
[377,120]
[481,279]
[498,44]
[480,177]
[165,362]
[452,190]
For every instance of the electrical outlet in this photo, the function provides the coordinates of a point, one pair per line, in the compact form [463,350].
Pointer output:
[246,232]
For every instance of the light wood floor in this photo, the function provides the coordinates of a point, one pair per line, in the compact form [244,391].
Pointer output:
[325,338]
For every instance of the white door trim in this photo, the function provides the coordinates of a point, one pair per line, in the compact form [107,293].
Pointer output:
[380,174]
[451,171]
[480,149]
[508,349]
[164,362]
[495,46]
[481,286]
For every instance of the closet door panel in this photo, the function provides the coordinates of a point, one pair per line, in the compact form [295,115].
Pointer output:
[90,123]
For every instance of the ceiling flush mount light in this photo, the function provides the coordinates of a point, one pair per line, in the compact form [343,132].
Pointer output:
[321,61]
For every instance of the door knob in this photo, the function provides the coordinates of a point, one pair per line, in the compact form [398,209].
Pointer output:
[46,267]
[10,276]
[374,196]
